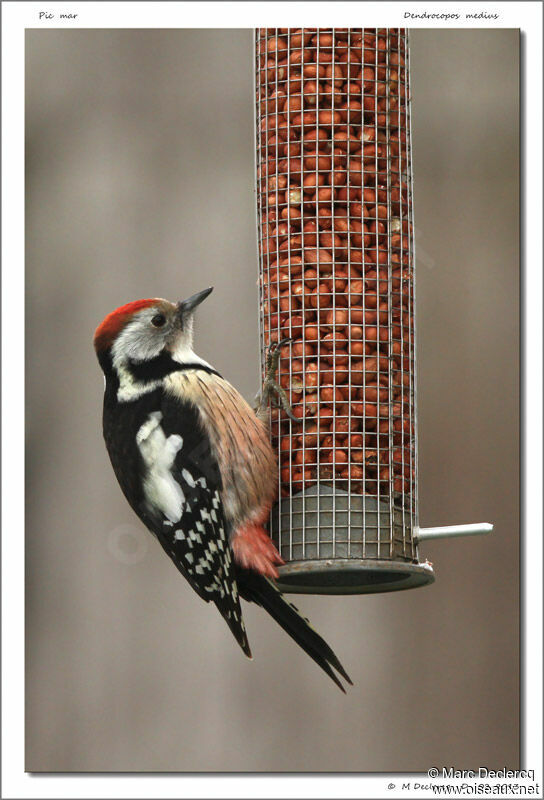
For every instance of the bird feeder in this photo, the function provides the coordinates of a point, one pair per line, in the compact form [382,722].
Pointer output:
[337,278]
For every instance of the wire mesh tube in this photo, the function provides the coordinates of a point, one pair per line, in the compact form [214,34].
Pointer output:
[334,208]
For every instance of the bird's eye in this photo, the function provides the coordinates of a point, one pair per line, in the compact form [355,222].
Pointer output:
[158,320]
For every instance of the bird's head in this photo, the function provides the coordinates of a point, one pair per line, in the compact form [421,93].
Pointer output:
[145,329]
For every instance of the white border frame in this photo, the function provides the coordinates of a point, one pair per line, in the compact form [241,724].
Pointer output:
[17,16]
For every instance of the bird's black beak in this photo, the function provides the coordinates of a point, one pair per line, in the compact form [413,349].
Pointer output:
[186,306]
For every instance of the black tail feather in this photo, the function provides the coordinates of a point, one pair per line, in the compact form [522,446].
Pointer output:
[233,618]
[265,593]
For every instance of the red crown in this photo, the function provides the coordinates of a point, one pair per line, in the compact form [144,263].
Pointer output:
[109,328]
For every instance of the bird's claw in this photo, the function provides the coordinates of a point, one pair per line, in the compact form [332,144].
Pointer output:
[273,353]
[270,384]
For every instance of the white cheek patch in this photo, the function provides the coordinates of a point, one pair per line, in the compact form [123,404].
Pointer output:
[137,341]
[163,493]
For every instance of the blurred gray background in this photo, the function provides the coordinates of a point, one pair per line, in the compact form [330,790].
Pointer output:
[140,183]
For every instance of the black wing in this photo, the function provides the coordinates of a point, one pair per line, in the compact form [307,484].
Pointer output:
[198,543]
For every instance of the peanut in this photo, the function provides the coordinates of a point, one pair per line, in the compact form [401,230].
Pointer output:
[336,271]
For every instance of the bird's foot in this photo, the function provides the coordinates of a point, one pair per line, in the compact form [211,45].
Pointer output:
[271,387]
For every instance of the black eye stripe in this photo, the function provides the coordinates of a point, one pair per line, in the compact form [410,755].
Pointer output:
[158,320]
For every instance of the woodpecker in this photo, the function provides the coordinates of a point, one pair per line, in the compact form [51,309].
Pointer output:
[194,461]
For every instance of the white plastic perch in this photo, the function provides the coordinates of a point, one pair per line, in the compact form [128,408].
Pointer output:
[449,531]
